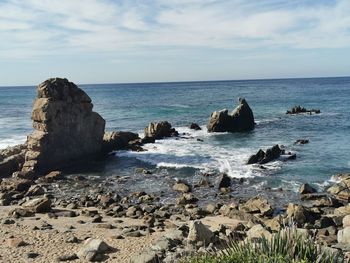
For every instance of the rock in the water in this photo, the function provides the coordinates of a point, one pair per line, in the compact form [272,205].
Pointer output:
[257,205]
[240,120]
[302,141]
[66,128]
[224,181]
[307,189]
[159,130]
[195,126]
[341,190]
[12,159]
[113,141]
[198,232]
[270,155]
[38,205]
[299,110]
[92,249]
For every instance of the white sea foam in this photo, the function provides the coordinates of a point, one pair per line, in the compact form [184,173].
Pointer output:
[12,140]
[203,155]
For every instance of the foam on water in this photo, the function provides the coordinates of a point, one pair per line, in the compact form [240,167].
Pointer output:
[12,140]
[195,150]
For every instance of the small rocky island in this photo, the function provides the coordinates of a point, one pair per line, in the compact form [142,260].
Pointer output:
[92,222]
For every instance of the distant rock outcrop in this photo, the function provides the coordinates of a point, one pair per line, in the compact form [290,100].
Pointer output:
[66,128]
[271,154]
[240,120]
[299,110]
[160,130]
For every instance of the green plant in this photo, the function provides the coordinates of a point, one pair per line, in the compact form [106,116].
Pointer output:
[286,246]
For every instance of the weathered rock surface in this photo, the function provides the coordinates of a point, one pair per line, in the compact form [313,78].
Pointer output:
[182,187]
[300,214]
[66,128]
[38,205]
[12,159]
[307,189]
[257,205]
[93,249]
[159,130]
[113,141]
[344,236]
[299,110]
[257,232]
[341,190]
[199,232]
[240,120]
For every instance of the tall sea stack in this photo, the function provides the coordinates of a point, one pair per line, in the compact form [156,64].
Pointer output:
[66,128]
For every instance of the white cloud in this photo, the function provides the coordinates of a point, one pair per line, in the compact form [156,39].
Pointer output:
[44,27]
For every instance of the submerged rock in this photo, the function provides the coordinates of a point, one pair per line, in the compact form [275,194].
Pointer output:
[160,130]
[240,120]
[66,128]
[195,126]
[299,110]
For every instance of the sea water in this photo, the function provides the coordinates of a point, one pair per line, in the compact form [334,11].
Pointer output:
[130,107]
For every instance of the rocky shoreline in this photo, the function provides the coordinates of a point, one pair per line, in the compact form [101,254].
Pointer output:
[48,214]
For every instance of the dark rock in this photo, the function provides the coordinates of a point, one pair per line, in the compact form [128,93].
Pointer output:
[271,154]
[240,120]
[114,141]
[12,159]
[302,141]
[195,126]
[307,189]
[299,110]
[160,130]
[15,184]
[32,255]
[224,181]
[256,158]
[68,257]
[62,113]
[52,177]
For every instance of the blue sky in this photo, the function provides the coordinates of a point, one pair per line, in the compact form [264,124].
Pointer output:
[104,41]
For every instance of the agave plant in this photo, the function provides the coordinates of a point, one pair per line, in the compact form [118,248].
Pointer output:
[286,246]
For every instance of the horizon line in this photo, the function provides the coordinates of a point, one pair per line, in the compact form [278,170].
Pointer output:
[183,81]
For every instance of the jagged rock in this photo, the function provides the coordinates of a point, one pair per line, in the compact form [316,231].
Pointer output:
[299,109]
[38,205]
[15,184]
[198,232]
[224,181]
[182,186]
[195,126]
[12,159]
[35,190]
[240,120]
[113,141]
[300,214]
[341,190]
[52,176]
[270,155]
[257,205]
[92,249]
[66,128]
[160,130]
[307,189]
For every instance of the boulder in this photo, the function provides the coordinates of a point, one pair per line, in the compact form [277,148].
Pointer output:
[195,126]
[300,214]
[159,130]
[299,110]
[93,249]
[182,187]
[307,189]
[66,128]
[15,184]
[38,205]
[12,159]
[344,236]
[341,190]
[224,181]
[257,232]
[114,141]
[240,120]
[257,205]
[262,157]
[198,232]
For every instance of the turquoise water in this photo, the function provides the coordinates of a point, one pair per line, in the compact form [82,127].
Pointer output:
[131,107]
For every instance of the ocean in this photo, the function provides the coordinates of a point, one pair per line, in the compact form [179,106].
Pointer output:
[130,107]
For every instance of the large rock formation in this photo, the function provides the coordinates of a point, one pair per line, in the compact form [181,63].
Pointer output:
[66,128]
[160,130]
[114,141]
[240,120]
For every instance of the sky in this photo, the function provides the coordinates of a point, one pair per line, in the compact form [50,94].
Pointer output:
[118,41]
